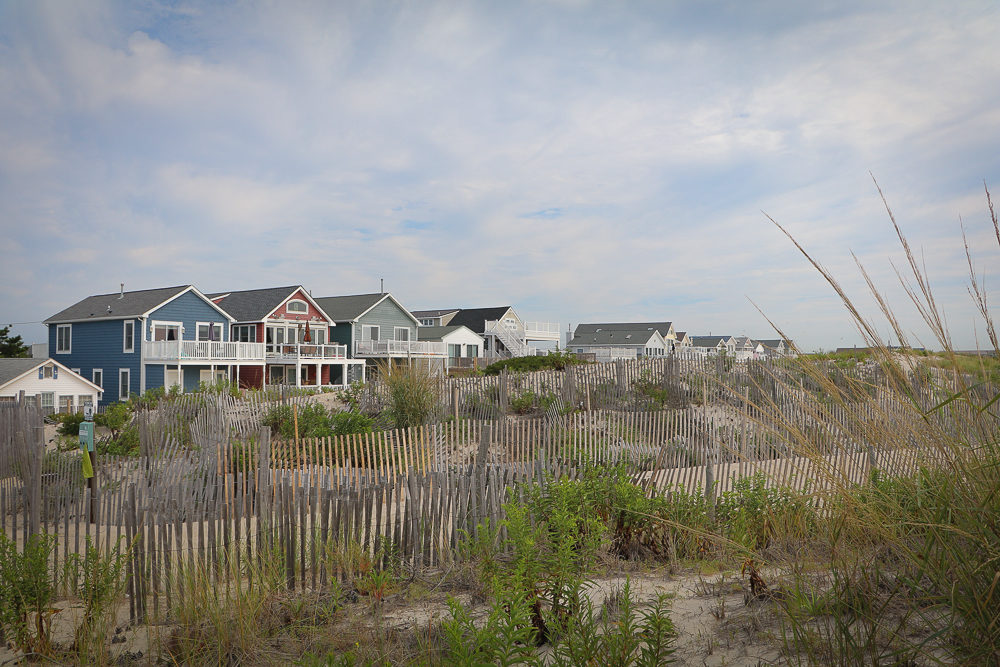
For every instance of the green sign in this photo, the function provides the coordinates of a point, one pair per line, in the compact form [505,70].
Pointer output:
[87,436]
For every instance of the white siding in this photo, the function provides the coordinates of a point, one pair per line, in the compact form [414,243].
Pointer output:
[67,384]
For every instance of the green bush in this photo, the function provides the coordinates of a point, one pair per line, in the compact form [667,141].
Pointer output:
[555,361]
[69,424]
[314,421]
[27,589]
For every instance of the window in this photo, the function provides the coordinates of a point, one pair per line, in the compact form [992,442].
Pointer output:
[48,400]
[128,331]
[401,333]
[166,331]
[64,338]
[318,336]
[277,374]
[48,373]
[65,404]
[454,351]
[124,375]
[297,306]
[369,332]
[97,376]
[245,333]
[209,331]
[472,350]
[171,379]
[426,322]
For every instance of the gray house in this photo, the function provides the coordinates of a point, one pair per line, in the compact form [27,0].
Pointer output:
[377,326]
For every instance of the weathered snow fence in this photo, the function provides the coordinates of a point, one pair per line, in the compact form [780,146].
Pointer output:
[213,493]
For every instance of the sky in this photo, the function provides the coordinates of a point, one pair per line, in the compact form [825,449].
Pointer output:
[581,161]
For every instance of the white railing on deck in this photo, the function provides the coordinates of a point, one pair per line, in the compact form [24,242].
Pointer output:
[305,351]
[541,330]
[400,348]
[512,337]
[173,350]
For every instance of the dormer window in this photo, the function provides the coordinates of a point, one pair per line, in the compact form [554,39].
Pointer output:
[297,306]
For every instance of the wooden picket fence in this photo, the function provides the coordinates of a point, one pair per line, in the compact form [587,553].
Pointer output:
[212,491]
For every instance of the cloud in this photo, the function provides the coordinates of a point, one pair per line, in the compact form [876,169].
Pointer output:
[589,161]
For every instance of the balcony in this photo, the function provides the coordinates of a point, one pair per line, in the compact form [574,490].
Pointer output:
[399,348]
[542,331]
[291,352]
[197,350]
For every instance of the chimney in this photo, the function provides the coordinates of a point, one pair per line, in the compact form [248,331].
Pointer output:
[122,295]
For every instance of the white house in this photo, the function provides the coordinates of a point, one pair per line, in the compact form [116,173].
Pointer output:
[60,388]
[619,340]
[463,344]
[712,345]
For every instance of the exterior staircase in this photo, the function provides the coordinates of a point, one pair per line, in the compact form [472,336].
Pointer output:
[515,344]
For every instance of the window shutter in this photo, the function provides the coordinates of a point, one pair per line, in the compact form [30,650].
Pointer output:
[55,372]
[41,373]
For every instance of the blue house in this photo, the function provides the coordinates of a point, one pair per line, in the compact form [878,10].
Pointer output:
[128,342]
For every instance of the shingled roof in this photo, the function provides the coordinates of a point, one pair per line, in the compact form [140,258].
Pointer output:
[663,328]
[12,368]
[476,318]
[253,305]
[117,305]
[613,336]
[438,333]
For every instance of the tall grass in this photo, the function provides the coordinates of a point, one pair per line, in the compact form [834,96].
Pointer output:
[918,554]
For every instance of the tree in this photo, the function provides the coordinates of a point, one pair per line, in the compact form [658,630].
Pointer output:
[12,346]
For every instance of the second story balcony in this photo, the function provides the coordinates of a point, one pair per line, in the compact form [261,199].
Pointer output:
[290,352]
[542,331]
[399,348]
[199,350]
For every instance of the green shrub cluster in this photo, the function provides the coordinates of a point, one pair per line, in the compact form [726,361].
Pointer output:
[554,361]
[314,421]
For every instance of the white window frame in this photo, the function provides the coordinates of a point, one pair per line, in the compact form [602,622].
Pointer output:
[69,339]
[52,399]
[238,330]
[163,323]
[395,333]
[369,328]
[93,377]
[128,336]
[318,331]
[197,331]
[127,384]
[289,309]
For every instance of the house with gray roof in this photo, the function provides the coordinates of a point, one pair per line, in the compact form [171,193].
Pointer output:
[377,327]
[620,340]
[464,346]
[56,387]
[294,330]
[128,342]
[504,333]
[713,345]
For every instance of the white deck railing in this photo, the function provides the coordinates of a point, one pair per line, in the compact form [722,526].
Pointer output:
[173,350]
[400,348]
[541,331]
[292,351]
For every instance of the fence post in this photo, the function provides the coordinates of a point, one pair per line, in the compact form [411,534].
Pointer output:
[484,446]
[454,402]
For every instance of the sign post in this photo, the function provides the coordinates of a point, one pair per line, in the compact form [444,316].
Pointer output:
[88,456]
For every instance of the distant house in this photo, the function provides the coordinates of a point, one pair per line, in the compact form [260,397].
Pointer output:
[377,326]
[713,345]
[128,342]
[683,341]
[435,318]
[504,333]
[464,346]
[59,388]
[745,348]
[619,340]
[777,347]
[292,333]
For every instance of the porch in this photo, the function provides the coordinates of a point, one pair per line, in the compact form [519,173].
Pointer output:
[400,348]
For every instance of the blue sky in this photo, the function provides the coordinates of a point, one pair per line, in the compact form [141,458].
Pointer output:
[583,161]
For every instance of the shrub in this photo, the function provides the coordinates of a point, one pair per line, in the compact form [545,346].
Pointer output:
[413,393]
[69,424]
[27,589]
[555,361]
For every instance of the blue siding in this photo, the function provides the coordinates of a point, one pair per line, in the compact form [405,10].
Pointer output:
[190,309]
[99,345]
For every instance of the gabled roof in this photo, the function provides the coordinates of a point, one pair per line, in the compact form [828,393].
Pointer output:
[663,328]
[254,305]
[351,308]
[438,333]
[708,341]
[120,306]
[476,318]
[433,313]
[614,336]
[13,369]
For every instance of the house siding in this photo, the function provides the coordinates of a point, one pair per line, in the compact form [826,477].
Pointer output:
[341,334]
[387,315]
[100,345]
[189,309]
[66,384]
